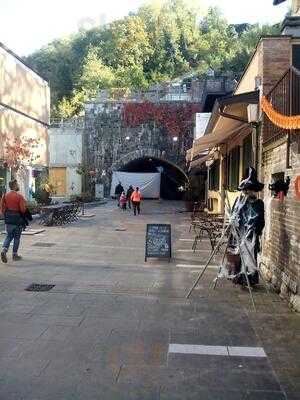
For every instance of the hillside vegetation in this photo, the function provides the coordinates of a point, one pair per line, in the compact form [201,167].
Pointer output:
[161,41]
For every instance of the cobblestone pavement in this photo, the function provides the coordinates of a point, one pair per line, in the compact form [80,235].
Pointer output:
[115,327]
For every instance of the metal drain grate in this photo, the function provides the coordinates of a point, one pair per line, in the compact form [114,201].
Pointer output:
[43,244]
[39,287]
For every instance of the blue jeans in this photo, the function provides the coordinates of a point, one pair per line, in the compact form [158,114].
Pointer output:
[14,233]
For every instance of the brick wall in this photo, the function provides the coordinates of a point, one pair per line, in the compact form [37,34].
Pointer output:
[281,241]
[276,59]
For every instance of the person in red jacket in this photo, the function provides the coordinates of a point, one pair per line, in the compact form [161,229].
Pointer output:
[13,207]
[136,198]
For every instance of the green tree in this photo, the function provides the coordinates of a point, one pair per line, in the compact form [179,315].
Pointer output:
[219,41]
[163,40]
[95,75]
[128,43]
[247,42]
[54,63]
[173,35]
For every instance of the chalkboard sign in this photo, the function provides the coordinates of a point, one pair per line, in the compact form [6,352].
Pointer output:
[158,241]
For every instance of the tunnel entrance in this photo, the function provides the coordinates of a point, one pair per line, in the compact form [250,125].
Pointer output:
[172,177]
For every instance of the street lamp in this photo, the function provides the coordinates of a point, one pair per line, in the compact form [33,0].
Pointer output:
[252,111]
[253,120]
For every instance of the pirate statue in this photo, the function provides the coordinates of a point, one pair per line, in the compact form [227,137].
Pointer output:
[248,219]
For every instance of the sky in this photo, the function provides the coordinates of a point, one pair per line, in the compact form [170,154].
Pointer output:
[27,25]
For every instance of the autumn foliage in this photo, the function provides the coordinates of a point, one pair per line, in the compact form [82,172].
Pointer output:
[19,151]
[176,118]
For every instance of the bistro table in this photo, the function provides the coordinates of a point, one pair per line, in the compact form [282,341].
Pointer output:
[210,225]
[59,214]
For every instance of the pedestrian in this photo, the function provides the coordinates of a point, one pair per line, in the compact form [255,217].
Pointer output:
[13,207]
[118,191]
[136,198]
[123,201]
[130,190]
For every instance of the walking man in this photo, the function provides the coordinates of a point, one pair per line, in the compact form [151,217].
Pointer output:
[136,198]
[13,207]
[118,191]
[128,195]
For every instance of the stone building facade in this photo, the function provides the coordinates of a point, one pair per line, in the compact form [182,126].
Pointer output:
[109,144]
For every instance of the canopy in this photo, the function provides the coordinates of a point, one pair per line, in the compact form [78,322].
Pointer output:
[213,139]
[199,161]
[229,116]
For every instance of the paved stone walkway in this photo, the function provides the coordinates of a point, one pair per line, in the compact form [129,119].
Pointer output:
[115,327]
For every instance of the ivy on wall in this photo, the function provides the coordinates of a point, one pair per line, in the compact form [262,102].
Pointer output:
[177,118]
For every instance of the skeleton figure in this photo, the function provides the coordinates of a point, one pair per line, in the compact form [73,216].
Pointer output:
[248,217]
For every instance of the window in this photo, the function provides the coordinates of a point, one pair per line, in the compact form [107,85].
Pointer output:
[58,178]
[2,181]
[247,153]
[214,176]
[234,168]
[296,56]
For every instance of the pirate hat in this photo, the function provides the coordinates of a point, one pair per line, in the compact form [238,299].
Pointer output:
[251,182]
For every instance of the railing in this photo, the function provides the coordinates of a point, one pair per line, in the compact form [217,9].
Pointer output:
[285,99]
[71,123]
[171,92]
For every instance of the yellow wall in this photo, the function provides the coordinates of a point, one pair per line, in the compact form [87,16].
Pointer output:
[232,197]
[23,89]
[216,202]
[247,83]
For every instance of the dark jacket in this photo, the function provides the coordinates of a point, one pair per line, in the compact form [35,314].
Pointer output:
[129,193]
[27,218]
[119,190]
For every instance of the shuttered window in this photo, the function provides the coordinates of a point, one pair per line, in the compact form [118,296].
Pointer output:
[233,168]
[247,153]
[214,176]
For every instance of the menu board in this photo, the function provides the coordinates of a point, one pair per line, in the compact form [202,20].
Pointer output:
[158,241]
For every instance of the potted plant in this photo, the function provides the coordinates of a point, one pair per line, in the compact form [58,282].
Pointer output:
[43,193]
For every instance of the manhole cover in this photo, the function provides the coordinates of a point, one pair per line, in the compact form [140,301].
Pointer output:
[39,287]
[43,244]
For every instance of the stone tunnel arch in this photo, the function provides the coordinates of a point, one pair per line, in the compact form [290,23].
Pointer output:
[149,160]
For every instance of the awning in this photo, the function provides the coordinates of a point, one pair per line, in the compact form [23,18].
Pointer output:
[229,117]
[216,138]
[199,161]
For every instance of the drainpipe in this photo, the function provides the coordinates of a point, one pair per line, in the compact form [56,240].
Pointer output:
[255,142]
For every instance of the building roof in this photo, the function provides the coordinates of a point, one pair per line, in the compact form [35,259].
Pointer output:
[235,104]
